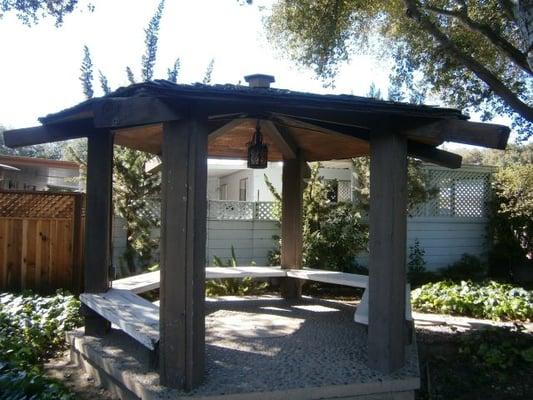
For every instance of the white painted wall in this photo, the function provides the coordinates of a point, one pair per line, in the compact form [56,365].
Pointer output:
[261,191]
[213,186]
[252,240]
[232,181]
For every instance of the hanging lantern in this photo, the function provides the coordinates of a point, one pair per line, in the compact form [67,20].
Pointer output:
[257,150]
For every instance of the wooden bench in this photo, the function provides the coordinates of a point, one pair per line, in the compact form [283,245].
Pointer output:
[134,315]
[150,280]
[140,319]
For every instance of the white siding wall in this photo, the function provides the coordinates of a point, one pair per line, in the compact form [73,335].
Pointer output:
[260,188]
[445,240]
[232,181]
[213,187]
[252,240]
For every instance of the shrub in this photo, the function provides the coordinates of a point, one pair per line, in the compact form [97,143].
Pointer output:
[511,225]
[417,274]
[232,286]
[32,329]
[469,267]
[480,300]
[338,238]
[332,232]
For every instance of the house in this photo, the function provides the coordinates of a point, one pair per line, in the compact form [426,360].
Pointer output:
[231,180]
[28,173]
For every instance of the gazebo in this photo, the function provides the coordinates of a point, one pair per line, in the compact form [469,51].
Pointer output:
[185,124]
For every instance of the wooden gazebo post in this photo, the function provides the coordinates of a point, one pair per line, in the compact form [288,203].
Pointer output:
[293,174]
[98,223]
[387,271]
[183,237]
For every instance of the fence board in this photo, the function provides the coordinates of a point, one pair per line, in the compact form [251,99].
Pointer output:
[41,237]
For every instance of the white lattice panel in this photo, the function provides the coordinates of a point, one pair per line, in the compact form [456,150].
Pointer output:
[344,191]
[231,210]
[265,210]
[461,193]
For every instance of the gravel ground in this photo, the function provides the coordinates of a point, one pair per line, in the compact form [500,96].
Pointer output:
[309,343]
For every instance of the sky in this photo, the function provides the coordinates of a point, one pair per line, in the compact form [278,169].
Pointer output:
[40,65]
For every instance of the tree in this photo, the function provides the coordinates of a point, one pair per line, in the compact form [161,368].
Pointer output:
[208,72]
[471,54]
[86,76]
[134,189]
[31,11]
[104,84]
[150,41]
[172,73]
[514,154]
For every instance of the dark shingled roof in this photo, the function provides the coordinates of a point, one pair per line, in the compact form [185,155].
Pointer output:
[199,92]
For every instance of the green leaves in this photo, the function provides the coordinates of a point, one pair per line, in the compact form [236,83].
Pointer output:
[32,329]
[470,57]
[490,300]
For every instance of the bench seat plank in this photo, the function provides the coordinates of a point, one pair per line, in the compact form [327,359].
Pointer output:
[243,272]
[138,283]
[134,315]
[339,278]
[151,280]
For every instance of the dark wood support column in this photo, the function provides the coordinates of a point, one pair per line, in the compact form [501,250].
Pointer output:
[183,237]
[293,186]
[98,223]
[388,224]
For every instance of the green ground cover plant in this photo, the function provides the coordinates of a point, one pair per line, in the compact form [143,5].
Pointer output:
[489,300]
[495,363]
[32,330]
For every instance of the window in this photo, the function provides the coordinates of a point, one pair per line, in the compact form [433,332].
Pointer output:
[243,188]
[223,195]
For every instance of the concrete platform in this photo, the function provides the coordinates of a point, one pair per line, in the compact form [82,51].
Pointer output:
[259,348]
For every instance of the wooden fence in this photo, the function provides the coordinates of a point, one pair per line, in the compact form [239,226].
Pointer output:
[41,237]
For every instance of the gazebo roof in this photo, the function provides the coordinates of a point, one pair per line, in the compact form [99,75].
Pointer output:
[321,127]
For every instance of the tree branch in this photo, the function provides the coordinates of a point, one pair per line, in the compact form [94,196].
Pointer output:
[495,84]
[516,56]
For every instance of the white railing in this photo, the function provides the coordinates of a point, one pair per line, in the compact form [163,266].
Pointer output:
[241,210]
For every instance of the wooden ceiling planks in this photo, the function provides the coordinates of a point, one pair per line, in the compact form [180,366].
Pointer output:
[314,143]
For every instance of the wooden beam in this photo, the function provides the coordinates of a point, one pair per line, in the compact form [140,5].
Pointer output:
[460,131]
[47,133]
[226,128]
[387,271]
[183,241]
[415,149]
[98,222]
[130,111]
[433,155]
[281,138]
[293,184]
